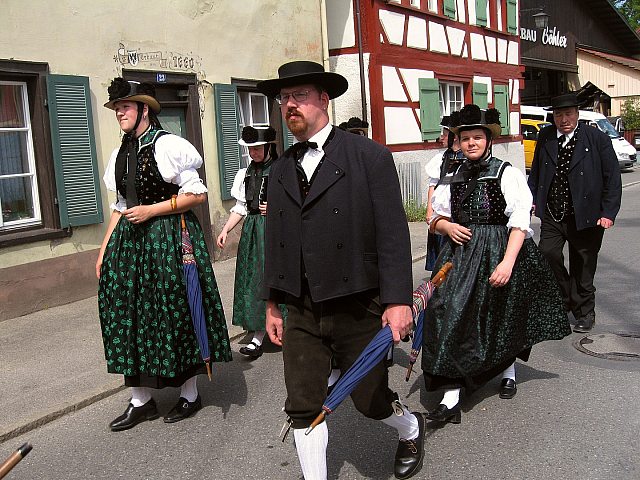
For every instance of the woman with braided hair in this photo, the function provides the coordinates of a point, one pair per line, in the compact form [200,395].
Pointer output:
[147,328]
[501,298]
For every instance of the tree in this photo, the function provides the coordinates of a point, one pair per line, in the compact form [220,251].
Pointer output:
[630,10]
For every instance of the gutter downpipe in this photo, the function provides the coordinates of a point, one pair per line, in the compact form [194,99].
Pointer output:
[363,90]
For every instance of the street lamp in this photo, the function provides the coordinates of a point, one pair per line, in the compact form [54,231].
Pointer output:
[540,18]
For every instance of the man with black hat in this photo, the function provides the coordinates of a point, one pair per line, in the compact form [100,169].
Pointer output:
[576,186]
[339,258]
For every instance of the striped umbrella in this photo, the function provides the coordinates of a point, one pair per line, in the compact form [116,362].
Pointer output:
[194,295]
[421,296]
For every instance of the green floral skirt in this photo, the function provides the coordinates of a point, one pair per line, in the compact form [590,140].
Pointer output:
[146,324]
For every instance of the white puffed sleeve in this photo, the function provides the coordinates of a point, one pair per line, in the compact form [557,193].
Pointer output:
[519,199]
[177,161]
[432,168]
[238,192]
[109,179]
[441,201]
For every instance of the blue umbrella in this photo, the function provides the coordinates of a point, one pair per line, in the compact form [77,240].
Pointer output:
[421,296]
[194,296]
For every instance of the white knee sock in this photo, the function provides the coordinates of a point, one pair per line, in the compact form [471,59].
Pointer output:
[510,372]
[258,337]
[312,451]
[189,389]
[140,396]
[451,397]
[406,424]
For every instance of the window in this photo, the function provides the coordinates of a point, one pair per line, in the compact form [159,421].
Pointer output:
[18,183]
[433,5]
[48,163]
[254,110]
[451,97]
[415,3]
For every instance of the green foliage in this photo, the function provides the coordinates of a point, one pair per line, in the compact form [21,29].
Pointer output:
[630,10]
[631,114]
[415,212]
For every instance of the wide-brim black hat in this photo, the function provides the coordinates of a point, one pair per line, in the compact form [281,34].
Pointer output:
[471,116]
[564,101]
[121,89]
[254,136]
[302,72]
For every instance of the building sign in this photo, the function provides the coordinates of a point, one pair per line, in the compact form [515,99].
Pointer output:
[550,36]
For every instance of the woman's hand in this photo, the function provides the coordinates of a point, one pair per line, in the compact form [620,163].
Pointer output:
[99,263]
[263,208]
[501,275]
[458,233]
[139,213]
[222,239]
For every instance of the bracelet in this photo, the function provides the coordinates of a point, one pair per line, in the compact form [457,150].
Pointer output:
[174,202]
[432,227]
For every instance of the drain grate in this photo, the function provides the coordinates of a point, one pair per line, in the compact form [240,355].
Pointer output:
[612,346]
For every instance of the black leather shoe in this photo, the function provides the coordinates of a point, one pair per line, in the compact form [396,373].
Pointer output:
[134,415]
[508,388]
[444,414]
[183,409]
[410,453]
[585,323]
[255,352]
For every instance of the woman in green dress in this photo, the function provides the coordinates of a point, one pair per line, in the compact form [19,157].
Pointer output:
[249,190]
[147,328]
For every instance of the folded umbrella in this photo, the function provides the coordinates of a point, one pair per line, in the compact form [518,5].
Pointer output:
[421,296]
[194,296]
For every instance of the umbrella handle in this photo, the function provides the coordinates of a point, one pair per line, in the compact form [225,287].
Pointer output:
[409,370]
[13,460]
[315,423]
[208,370]
[439,277]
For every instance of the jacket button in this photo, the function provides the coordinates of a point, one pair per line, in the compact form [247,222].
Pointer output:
[345,279]
[339,245]
[335,210]
[281,244]
[280,276]
[581,173]
[280,212]
[338,171]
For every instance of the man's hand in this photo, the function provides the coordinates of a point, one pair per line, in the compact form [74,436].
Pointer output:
[274,323]
[399,318]
[605,223]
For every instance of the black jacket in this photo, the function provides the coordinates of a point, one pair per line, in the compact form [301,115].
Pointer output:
[594,175]
[352,229]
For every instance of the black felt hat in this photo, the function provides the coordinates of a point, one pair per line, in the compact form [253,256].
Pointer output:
[471,116]
[301,72]
[254,136]
[564,101]
[121,89]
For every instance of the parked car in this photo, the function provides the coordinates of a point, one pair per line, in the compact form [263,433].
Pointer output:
[529,130]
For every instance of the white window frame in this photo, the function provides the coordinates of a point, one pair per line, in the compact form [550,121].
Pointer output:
[251,97]
[415,3]
[31,161]
[447,103]
[433,6]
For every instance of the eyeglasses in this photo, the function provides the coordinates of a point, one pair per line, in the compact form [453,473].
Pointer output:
[300,96]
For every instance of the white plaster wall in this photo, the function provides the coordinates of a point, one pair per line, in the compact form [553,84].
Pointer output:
[225,39]
[502,50]
[437,38]
[392,90]
[492,45]
[417,33]
[456,40]
[393,25]
[411,77]
[512,53]
[478,49]
[340,24]
[350,103]
[514,123]
[461,9]
[401,126]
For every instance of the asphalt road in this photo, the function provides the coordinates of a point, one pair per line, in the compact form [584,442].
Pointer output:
[575,416]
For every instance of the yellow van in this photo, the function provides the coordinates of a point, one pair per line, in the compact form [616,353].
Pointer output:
[529,129]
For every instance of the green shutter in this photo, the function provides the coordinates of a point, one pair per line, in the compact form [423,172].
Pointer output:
[481,13]
[501,102]
[450,8]
[227,126]
[288,138]
[429,108]
[512,16]
[74,150]
[480,93]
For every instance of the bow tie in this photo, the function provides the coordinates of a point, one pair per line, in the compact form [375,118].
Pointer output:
[300,148]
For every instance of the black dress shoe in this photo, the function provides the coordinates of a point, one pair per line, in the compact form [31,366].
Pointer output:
[410,453]
[444,414]
[134,415]
[508,388]
[585,323]
[255,352]
[183,409]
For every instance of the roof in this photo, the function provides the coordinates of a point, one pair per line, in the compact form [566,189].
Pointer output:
[611,20]
[626,61]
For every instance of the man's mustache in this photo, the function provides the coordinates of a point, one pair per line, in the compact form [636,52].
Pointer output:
[293,111]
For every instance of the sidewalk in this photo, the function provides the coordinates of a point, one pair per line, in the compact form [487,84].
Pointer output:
[52,361]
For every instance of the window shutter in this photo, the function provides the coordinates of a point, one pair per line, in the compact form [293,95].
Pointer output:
[481,13]
[74,150]
[480,94]
[227,126]
[501,102]
[429,108]
[512,16]
[450,8]
[288,138]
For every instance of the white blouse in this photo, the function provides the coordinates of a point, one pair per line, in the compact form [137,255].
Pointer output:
[516,193]
[432,168]
[239,193]
[177,162]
